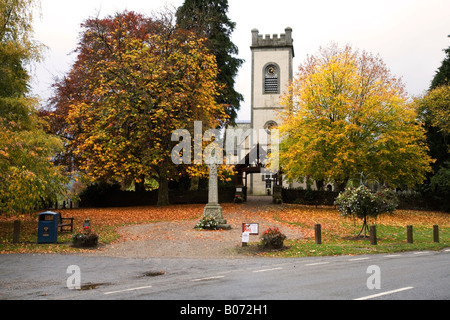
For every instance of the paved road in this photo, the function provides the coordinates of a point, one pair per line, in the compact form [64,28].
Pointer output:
[412,275]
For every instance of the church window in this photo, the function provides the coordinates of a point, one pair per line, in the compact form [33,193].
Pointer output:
[271,79]
[270,125]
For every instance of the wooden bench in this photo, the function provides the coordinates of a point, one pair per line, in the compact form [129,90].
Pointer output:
[65,222]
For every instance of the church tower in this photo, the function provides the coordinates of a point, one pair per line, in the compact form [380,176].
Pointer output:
[272,71]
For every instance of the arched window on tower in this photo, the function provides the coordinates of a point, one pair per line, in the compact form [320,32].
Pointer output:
[271,79]
[269,127]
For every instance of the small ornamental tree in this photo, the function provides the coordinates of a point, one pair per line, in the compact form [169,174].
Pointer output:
[361,203]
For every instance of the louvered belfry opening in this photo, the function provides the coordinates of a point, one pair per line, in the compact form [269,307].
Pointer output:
[271,79]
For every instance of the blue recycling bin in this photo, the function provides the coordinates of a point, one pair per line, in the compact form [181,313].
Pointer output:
[48,227]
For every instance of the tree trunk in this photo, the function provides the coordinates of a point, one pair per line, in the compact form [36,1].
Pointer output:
[320,184]
[140,187]
[341,185]
[194,184]
[163,191]
[364,228]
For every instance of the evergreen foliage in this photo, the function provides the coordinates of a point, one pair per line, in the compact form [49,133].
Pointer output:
[208,18]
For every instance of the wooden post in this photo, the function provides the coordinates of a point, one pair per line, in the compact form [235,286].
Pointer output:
[409,234]
[373,235]
[436,233]
[16,232]
[318,233]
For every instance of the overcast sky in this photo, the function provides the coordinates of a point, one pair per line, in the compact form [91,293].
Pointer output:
[408,34]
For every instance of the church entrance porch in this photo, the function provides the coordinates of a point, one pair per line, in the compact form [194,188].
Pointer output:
[252,178]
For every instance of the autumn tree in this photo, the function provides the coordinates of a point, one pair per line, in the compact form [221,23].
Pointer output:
[136,80]
[434,108]
[208,19]
[27,173]
[346,114]
[74,88]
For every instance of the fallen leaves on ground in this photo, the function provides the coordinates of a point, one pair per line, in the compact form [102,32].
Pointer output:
[299,219]
[332,222]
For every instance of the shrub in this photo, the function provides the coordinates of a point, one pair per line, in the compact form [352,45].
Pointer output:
[277,199]
[272,238]
[239,198]
[440,186]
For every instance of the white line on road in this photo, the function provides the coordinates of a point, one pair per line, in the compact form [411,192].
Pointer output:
[209,278]
[384,293]
[358,259]
[125,290]
[393,255]
[422,252]
[264,270]
[316,264]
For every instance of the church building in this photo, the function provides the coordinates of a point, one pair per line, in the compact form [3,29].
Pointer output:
[271,73]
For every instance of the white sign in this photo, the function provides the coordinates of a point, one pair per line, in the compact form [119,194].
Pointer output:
[245,237]
[251,228]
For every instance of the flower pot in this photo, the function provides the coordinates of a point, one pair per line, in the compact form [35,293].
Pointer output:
[272,238]
[85,240]
[274,242]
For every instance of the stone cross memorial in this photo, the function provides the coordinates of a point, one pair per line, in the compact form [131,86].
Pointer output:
[213,208]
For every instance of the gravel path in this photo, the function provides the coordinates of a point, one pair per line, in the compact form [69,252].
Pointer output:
[180,239]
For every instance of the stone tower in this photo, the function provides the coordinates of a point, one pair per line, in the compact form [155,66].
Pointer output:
[272,71]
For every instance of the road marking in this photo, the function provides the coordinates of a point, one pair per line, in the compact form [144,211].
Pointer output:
[384,293]
[422,252]
[358,259]
[393,256]
[316,264]
[265,270]
[209,278]
[447,250]
[125,290]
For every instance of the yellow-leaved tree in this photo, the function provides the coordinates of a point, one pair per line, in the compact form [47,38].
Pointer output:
[345,113]
[28,175]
